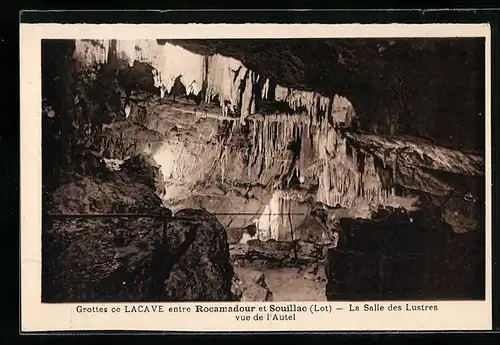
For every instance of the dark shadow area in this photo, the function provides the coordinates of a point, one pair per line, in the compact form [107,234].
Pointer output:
[395,259]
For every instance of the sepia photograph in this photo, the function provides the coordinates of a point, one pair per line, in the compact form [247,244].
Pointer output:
[263,170]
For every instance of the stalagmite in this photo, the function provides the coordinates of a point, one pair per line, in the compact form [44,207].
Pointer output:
[127,110]
[274,223]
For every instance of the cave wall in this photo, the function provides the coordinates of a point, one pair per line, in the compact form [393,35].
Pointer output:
[56,80]
[84,100]
[104,75]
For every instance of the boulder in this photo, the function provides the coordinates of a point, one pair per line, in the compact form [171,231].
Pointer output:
[200,270]
[99,259]
[464,214]
[309,250]
[140,258]
[136,187]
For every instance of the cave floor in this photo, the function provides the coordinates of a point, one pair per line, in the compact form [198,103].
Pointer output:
[287,284]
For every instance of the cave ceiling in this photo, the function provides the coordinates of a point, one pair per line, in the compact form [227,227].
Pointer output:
[427,84]
[331,66]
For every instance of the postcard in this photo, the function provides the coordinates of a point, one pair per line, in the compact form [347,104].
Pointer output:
[255,177]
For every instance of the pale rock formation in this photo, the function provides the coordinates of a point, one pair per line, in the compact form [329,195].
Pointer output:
[127,111]
[113,163]
[280,93]
[223,79]
[223,76]
[91,52]
[280,217]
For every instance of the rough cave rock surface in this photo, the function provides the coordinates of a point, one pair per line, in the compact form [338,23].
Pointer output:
[132,258]
[390,261]
[134,186]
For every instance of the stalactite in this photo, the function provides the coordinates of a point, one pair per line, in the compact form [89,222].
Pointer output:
[126,51]
[265,89]
[223,79]
[247,101]
[340,176]
[271,139]
[91,52]
[394,167]
[178,62]
[221,76]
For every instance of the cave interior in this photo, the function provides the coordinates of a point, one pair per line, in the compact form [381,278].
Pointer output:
[258,170]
